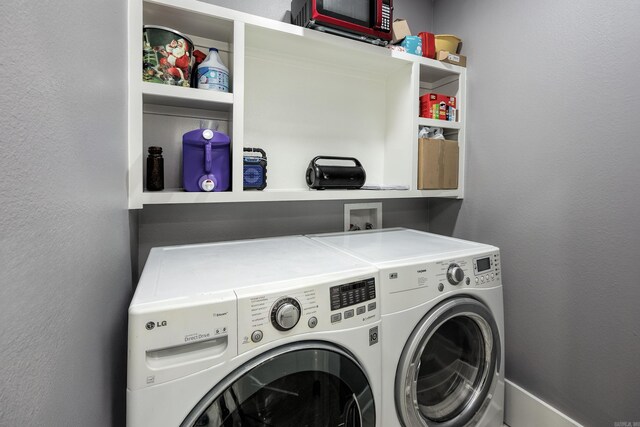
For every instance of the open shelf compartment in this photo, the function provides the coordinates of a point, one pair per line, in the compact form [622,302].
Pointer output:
[315,105]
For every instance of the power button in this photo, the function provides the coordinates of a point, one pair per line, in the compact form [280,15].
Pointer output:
[313,322]
[256,336]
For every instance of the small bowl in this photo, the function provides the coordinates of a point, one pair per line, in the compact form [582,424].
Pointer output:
[447,42]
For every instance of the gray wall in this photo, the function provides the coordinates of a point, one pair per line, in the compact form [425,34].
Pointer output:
[553,175]
[65,280]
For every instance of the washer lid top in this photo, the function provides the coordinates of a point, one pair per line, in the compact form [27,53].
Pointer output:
[176,272]
[400,244]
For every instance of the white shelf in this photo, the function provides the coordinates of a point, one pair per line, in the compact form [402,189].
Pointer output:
[191,17]
[315,47]
[297,93]
[432,69]
[177,196]
[176,96]
[439,123]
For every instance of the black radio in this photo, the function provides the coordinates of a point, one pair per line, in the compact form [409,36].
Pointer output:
[254,173]
[322,177]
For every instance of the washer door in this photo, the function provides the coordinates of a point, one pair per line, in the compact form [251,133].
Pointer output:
[302,384]
[449,367]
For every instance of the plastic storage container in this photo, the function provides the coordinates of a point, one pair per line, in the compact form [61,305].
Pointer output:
[206,162]
[212,73]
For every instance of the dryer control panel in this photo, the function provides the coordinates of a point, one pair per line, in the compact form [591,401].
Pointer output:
[486,269]
[477,271]
[406,285]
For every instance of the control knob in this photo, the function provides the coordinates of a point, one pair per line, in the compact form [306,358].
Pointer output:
[285,314]
[455,274]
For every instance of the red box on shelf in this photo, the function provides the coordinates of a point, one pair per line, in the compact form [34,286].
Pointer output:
[428,44]
[439,107]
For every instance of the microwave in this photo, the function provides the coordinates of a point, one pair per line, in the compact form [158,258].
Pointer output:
[365,20]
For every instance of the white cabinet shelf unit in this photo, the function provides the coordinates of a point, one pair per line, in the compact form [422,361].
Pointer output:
[296,93]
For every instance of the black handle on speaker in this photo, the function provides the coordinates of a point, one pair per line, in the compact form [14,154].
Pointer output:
[353,159]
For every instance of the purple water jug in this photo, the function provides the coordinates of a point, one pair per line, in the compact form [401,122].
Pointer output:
[205,160]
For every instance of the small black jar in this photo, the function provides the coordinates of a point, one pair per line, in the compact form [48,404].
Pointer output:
[155,169]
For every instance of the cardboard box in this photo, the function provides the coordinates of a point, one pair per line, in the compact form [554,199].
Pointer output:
[450,156]
[399,30]
[437,164]
[452,58]
[429,165]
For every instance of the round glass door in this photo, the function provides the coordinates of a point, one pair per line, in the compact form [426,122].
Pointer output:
[305,384]
[449,365]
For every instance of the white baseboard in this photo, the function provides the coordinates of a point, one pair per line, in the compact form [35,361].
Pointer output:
[523,409]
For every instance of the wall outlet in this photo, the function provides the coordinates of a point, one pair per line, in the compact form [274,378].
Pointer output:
[362,216]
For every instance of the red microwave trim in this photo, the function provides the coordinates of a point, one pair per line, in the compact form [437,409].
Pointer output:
[339,23]
[378,23]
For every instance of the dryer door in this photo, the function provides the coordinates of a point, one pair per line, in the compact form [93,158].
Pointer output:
[302,384]
[449,367]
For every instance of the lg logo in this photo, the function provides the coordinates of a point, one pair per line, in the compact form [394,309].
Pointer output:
[151,325]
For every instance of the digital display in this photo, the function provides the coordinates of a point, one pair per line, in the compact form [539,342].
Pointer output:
[352,293]
[352,286]
[483,264]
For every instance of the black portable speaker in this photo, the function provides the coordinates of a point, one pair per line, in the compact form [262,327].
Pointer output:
[322,177]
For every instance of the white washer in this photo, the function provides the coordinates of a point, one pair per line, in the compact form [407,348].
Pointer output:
[442,326]
[280,331]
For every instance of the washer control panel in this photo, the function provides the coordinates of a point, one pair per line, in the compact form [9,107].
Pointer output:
[265,316]
[353,300]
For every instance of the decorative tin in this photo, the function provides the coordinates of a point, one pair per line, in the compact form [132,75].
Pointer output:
[166,56]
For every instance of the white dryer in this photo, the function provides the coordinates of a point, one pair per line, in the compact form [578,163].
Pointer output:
[442,326]
[266,332]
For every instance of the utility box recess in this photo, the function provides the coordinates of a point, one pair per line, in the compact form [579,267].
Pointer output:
[362,216]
